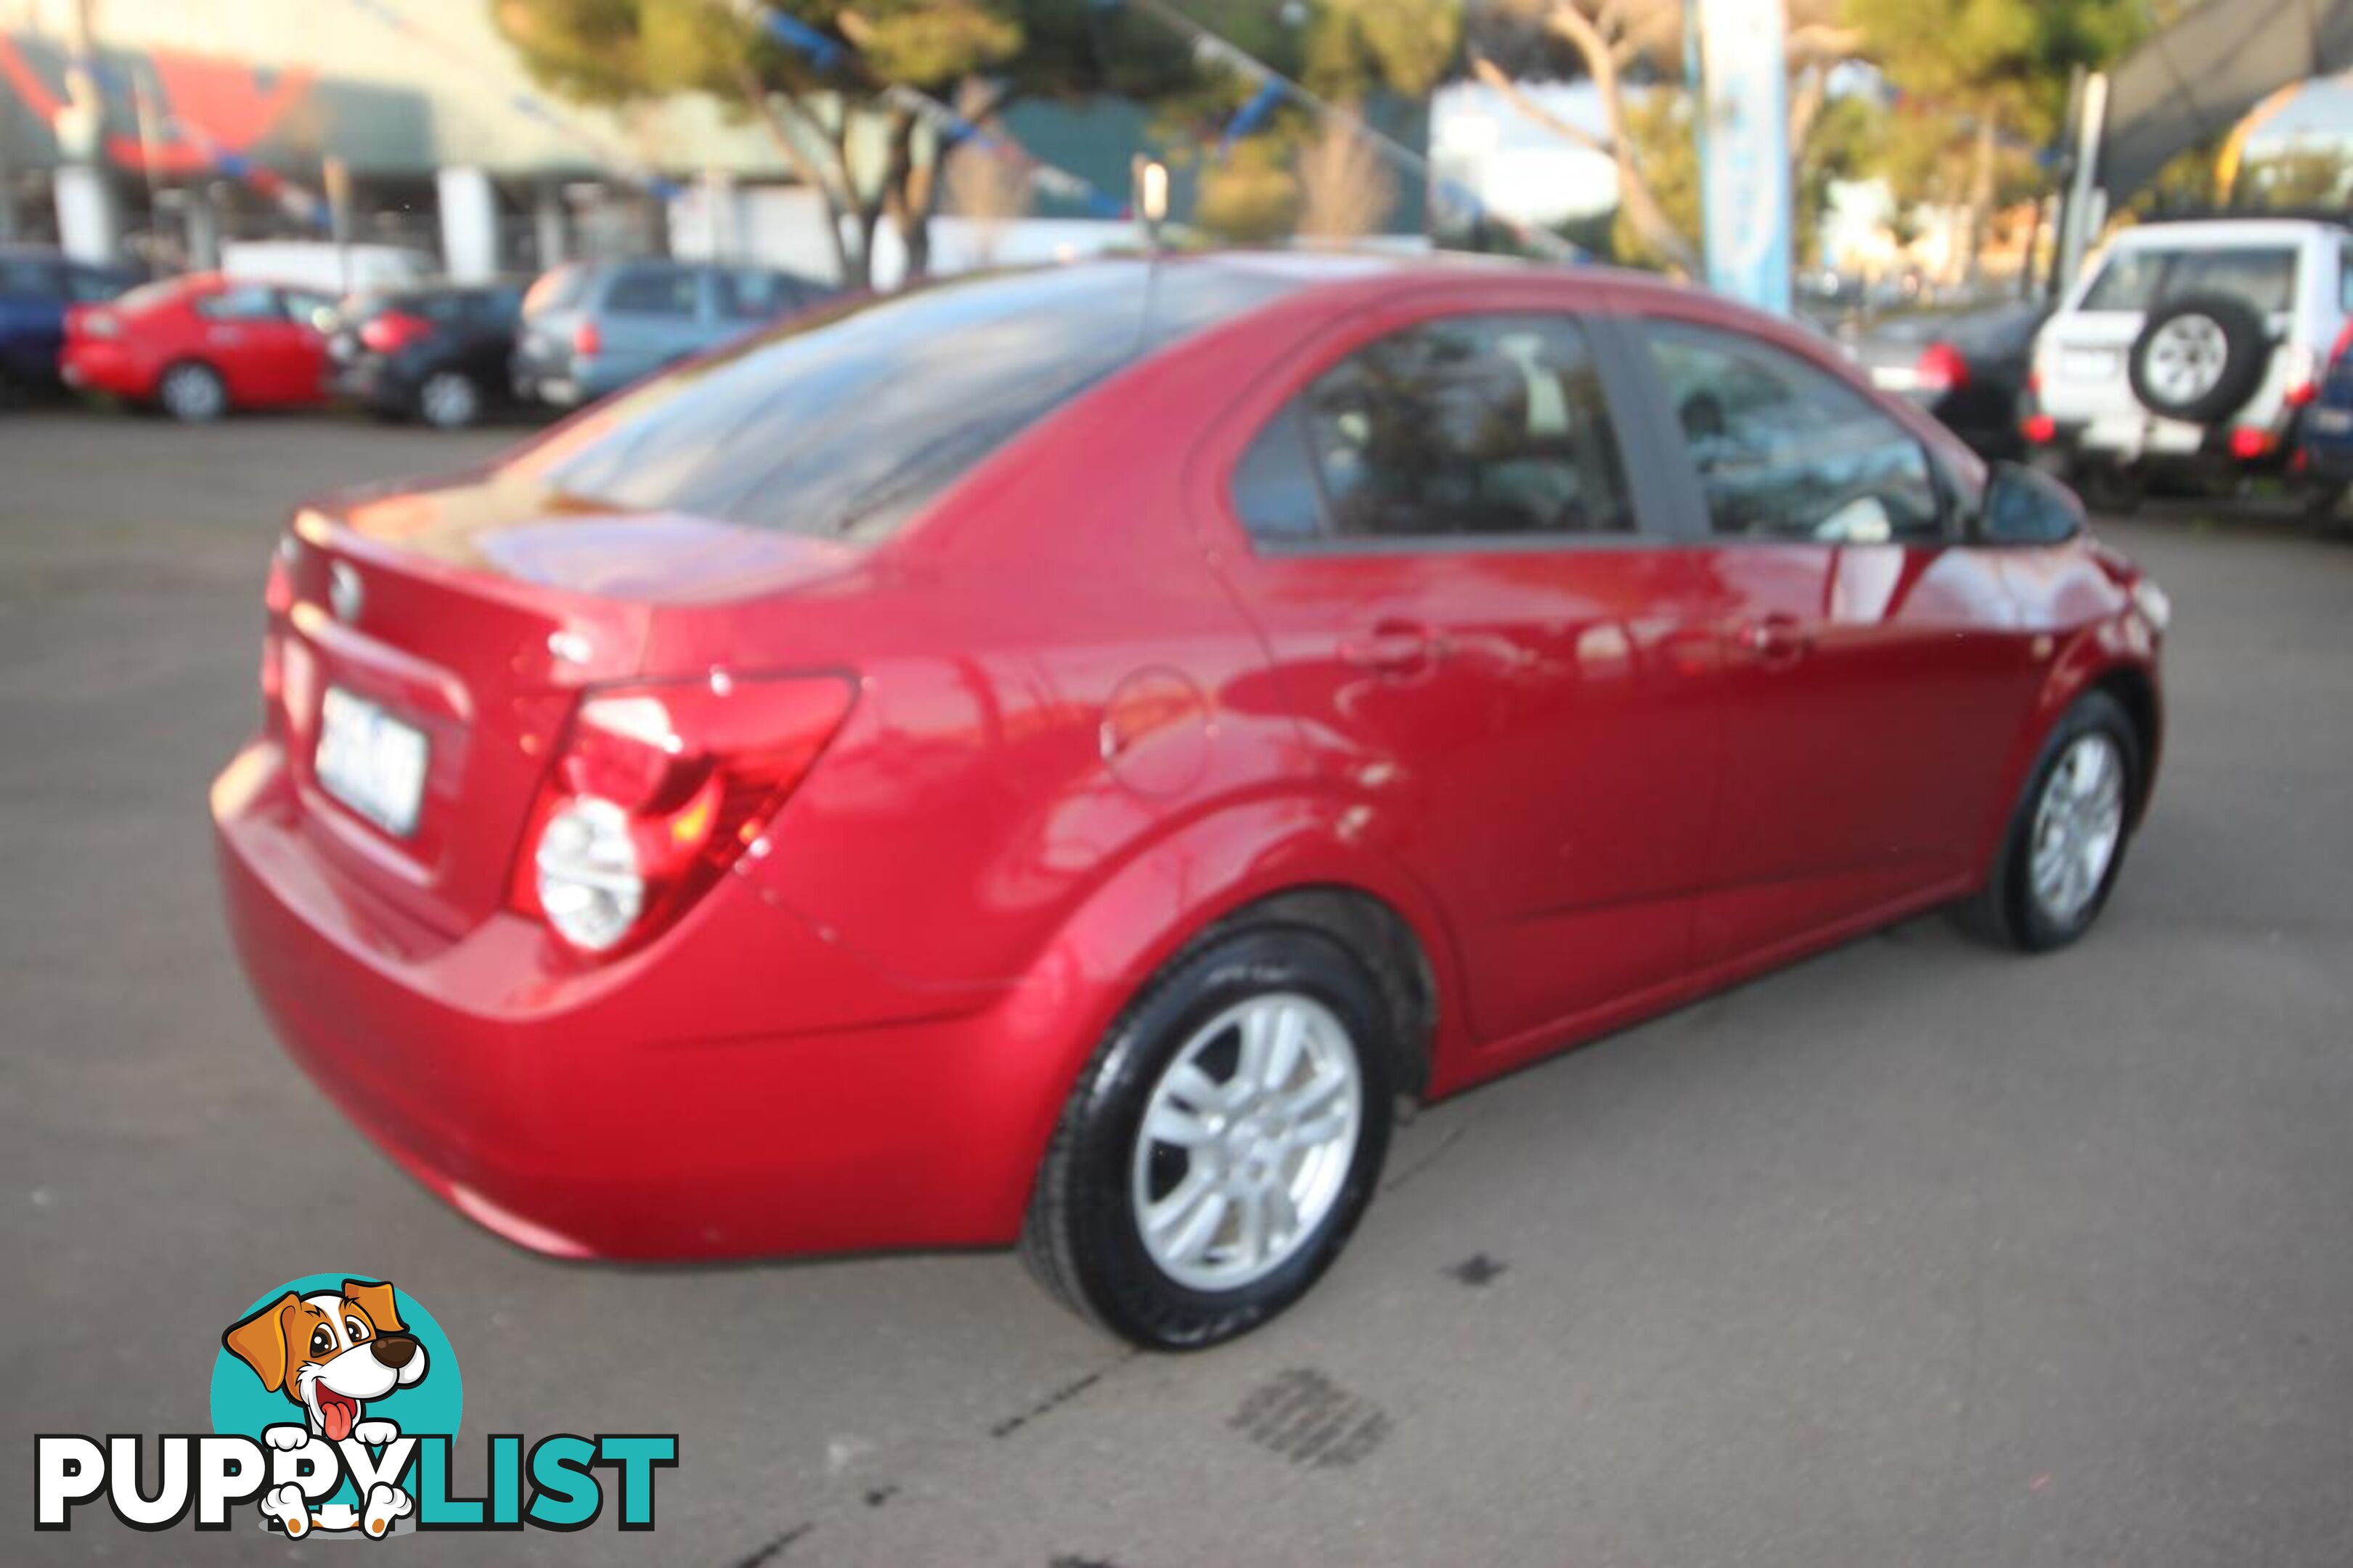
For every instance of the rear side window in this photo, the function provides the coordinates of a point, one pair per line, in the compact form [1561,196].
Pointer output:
[25,278]
[1463,427]
[1786,450]
[842,422]
[654,292]
[2144,277]
[242,302]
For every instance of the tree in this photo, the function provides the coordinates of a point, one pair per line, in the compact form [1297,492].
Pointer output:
[1617,45]
[988,188]
[1346,190]
[1994,74]
[828,110]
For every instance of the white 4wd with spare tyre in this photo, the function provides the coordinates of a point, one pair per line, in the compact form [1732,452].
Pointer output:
[2189,349]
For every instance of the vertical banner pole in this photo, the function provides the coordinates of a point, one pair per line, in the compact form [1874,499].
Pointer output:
[1742,120]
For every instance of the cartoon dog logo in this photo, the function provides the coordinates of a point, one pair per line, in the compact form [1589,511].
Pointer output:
[330,1353]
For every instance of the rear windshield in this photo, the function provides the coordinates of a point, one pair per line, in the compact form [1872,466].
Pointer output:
[841,424]
[2144,277]
[557,289]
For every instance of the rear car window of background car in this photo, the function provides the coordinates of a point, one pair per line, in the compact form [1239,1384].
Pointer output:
[1784,450]
[1468,427]
[654,292]
[92,286]
[556,291]
[23,277]
[2146,276]
[841,424]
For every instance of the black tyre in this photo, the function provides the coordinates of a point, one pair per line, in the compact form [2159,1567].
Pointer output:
[2065,843]
[2110,487]
[2200,358]
[1221,1145]
[192,393]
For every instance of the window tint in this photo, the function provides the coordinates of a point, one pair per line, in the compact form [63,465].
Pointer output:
[242,302]
[755,294]
[1466,427]
[1786,450]
[23,277]
[655,291]
[2144,277]
[844,422]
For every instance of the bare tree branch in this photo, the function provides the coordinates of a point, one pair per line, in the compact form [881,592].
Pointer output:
[1516,95]
[756,94]
[1634,193]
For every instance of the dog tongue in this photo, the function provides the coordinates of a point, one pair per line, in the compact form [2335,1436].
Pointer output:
[336,1414]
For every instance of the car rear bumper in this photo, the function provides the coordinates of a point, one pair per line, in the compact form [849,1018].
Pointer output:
[99,364]
[739,1088]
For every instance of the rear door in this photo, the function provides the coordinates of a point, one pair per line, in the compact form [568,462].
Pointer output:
[1875,674]
[652,313]
[1443,507]
[244,335]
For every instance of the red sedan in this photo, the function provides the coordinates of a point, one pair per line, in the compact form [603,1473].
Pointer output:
[201,345]
[1055,757]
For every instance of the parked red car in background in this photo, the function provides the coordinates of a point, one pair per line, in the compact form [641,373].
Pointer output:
[202,345]
[1055,756]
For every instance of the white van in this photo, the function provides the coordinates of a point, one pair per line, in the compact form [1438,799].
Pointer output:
[2189,344]
[336,269]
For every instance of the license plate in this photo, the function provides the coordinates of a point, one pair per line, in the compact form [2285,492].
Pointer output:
[2087,364]
[370,761]
[2331,421]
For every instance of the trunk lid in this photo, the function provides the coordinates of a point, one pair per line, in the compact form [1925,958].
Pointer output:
[463,620]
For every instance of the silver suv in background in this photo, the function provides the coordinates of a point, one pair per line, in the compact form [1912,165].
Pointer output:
[591,328]
[2190,349]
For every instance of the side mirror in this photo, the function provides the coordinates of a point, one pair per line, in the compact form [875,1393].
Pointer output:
[2027,506]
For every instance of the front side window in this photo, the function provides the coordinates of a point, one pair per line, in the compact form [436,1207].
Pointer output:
[1786,450]
[655,291]
[755,294]
[1462,426]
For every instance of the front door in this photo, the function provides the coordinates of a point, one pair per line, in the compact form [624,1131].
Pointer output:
[1513,682]
[1873,680]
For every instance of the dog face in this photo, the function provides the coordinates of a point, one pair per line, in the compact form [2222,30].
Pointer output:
[330,1353]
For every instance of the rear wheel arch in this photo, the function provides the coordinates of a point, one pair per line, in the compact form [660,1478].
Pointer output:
[1372,930]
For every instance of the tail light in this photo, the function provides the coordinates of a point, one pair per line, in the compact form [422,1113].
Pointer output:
[586,340]
[1941,368]
[2248,443]
[2303,377]
[657,790]
[2040,429]
[94,325]
[394,331]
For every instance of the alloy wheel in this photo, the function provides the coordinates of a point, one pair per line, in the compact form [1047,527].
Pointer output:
[2078,824]
[1246,1141]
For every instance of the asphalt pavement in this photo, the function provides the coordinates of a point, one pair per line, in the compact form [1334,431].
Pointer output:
[1916,1253]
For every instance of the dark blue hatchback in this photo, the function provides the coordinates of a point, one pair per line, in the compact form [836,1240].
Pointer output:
[36,287]
[2326,428]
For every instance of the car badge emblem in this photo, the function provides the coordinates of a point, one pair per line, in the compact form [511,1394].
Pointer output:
[344,596]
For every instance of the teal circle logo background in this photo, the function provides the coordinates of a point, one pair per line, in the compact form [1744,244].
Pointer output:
[430,1406]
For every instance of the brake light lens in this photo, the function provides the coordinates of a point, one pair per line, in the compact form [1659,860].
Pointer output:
[586,340]
[98,324]
[394,331]
[2247,444]
[2040,429]
[1941,368]
[657,790]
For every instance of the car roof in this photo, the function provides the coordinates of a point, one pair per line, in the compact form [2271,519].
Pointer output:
[2193,234]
